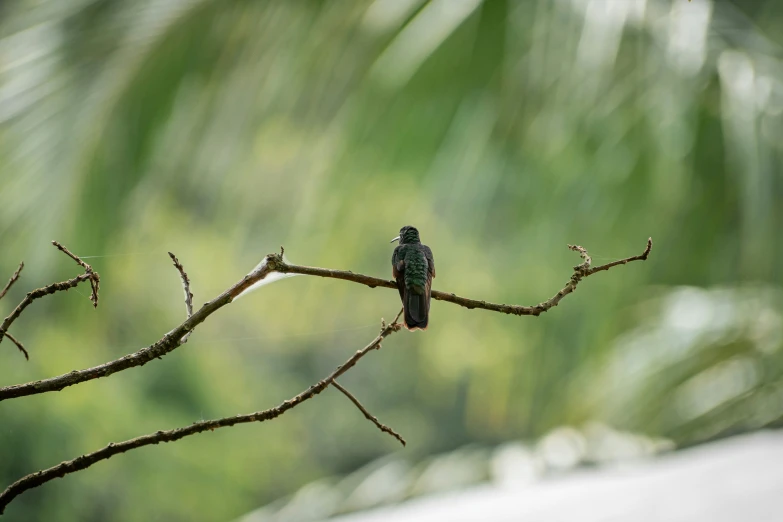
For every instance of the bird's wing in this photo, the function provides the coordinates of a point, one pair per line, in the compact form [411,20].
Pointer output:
[428,290]
[398,263]
[430,274]
[398,270]
[430,261]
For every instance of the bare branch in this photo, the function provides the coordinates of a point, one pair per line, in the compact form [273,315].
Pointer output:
[186,288]
[370,417]
[94,277]
[173,339]
[37,294]
[85,461]
[61,248]
[12,280]
[581,271]
[641,257]
[166,344]
[586,259]
[275,263]
[185,284]
[89,274]
[18,345]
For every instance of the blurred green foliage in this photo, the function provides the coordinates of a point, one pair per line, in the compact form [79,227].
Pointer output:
[503,130]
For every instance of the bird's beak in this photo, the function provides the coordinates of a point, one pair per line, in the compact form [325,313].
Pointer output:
[395,239]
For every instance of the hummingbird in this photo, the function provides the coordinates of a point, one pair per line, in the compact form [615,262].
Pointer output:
[413,267]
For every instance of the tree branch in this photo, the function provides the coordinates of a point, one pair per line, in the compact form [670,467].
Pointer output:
[185,284]
[85,461]
[580,272]
[640,257]
[90,274]
[37,294]
[186,288]
[95,279]
[370,417]
[18,345]
[12,280]
[166,344]
[173,339]
[275,263]
[8,285]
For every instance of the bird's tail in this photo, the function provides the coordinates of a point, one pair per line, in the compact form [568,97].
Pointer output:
[417,307]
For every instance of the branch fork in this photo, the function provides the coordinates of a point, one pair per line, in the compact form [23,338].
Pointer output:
[88,275]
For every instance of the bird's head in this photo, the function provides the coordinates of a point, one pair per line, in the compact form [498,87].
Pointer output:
[408,234]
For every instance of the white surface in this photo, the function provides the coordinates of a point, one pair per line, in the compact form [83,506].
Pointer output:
[734,480]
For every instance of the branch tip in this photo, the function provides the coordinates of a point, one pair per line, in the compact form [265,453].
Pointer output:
[13,279]
[18,345]
[369,416]
[61,248]
[647,250]
[95,279]
[185,285]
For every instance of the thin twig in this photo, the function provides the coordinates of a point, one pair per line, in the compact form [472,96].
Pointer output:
[185,284]
[37,294]
[583,270]
[94,277]
[586,259]
[370,417]
[641,257]
[87,268]
[39,478]
[89,274]
[12,280]
[18,345]
[272,263]
[186,287]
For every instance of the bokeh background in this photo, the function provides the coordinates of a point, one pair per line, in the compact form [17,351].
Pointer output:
[503,130]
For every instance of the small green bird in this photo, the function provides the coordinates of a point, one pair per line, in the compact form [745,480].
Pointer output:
[413,267]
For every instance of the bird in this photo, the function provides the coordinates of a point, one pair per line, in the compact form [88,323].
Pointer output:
[413,267]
